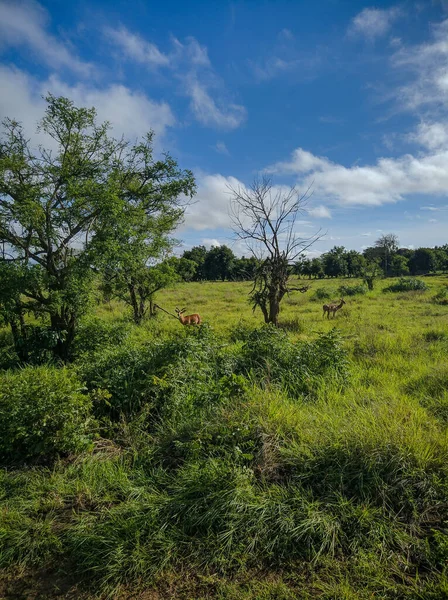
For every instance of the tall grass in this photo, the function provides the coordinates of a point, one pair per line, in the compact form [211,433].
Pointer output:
[239,461]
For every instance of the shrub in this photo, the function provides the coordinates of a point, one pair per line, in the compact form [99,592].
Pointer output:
[352,290]
[96,334]
[407,284]
[43,413]
[441,297]
[298,368]
[179,372]
[321,294]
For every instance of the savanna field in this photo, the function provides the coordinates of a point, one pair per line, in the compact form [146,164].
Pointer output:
[233,460]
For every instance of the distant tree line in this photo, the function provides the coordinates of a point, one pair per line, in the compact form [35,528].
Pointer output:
[217,264]
[384,258]
[388,259]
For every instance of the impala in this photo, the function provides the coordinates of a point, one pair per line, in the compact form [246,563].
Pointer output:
[328,308]
[189,319]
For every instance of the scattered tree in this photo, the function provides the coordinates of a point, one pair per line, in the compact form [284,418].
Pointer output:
[62,209]
[265,218]
[387,244]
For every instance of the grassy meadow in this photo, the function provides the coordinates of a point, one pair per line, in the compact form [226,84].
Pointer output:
[234,461]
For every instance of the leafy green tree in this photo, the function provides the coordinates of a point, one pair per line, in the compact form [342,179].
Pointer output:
[61,208]
[138,287]
[355,263]
[185,268]
[335,263]
[219,263]
[244,269]
[317,268]
[197,254]
[388,245]
[399,265]
[424,260]
[371,271]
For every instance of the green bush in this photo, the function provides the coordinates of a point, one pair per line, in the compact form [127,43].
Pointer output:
[321,294]
[170,375]
[43,413]
[95,334]
[407,284]
[352,290]
[298,368]
[441,297]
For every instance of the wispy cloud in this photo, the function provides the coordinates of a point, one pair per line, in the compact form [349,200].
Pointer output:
[129,112]
[321,212]
[24,24]
[426,65]
[330,120]
[191,67]
[284,58]
[372,23]
[136,48]
[211,112]
[221,148]
[389,180]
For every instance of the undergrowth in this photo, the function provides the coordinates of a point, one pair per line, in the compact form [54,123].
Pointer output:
[234,461]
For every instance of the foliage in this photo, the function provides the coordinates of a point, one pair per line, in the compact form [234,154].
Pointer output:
[409,284]
[441,297]
[246,463]
[272,358]
[322,293]
[352,290]
[43,413]
[89,199]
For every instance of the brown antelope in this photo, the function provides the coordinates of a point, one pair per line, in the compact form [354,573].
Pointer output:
[328,308]
[189,319]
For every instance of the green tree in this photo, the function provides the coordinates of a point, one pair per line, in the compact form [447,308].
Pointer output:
[197,254]
[399,265]
[185,268]
[355,263]
[317,268]
[371,271]
[335,263]
[388,245]
[424,260]
[59,208]
[219,263]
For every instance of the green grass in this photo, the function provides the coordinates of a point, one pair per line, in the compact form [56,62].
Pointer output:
[233,465]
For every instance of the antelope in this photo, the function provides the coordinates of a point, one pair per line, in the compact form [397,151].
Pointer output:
[328,308]
[189,319]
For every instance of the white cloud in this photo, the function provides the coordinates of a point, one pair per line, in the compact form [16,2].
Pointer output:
[221,148]
[130,113]
[210,243]
[207,110]
[373,22]
[435,208]
[211,207]
[136,48]
[428,64]
[320,212]
[190,65]
[23,23]
[433,136]
[191,52]
[389,180]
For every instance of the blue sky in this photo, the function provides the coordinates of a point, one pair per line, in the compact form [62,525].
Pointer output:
[347,95]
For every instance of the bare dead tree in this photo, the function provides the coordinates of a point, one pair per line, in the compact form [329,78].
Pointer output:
[265,217]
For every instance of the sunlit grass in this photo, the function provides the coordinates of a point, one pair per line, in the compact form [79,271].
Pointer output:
[256,493]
